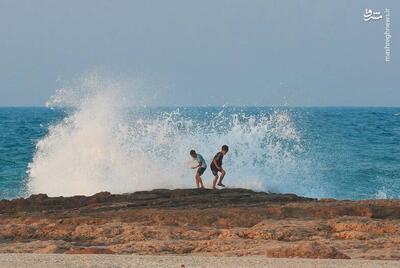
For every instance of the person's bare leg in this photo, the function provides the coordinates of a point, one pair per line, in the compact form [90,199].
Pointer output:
[201,182]
[221,178]
[215,181]
[197,181]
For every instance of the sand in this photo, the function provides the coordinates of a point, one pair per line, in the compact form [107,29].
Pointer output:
[97,260]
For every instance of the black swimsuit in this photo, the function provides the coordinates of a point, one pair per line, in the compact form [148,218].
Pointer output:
[218,158]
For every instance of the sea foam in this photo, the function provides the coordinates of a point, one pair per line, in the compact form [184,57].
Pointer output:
[108,142]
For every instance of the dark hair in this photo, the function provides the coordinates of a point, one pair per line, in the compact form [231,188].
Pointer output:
[193,152]
[225,148]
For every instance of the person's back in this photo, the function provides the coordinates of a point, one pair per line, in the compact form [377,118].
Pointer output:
[201,167]
[200,160]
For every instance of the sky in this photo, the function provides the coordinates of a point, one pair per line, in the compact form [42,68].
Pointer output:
[209,52]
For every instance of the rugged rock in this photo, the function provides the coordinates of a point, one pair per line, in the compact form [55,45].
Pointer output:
[90,250]
[158,198]
[188,221]
[309,250]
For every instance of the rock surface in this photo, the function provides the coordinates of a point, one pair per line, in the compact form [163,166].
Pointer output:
[230,222]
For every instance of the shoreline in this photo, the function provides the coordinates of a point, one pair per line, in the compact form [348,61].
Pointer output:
[228,222]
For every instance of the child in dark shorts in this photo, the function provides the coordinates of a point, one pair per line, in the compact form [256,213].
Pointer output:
[216,166]
[201,167]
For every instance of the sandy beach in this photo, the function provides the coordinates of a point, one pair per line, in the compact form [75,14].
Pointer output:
[95,260]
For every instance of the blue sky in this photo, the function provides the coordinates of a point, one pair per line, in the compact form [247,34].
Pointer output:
[210,52]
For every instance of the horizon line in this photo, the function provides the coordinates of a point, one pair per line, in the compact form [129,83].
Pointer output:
[225,106]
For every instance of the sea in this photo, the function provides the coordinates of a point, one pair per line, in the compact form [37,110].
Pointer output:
[97,138]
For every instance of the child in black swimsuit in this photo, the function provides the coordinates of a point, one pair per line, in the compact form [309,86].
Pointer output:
[216,166]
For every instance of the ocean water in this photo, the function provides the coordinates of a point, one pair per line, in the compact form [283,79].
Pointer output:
[95,145]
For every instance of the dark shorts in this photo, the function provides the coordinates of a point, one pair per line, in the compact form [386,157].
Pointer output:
[215,171]
[201,170]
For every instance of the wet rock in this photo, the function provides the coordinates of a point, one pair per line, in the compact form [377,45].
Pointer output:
[90,250]
[38,197]
[155,199]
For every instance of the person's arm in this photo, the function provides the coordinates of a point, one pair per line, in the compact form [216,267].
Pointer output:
[215,164]
[197,166]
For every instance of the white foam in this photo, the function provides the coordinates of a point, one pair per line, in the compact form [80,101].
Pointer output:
[104,145]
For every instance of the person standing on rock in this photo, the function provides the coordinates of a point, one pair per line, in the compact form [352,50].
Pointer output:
[201,167]
[216,166]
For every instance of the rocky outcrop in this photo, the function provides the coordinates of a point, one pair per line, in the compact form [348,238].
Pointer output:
[308,250]
[89,250]
[158,198]
[188,221]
